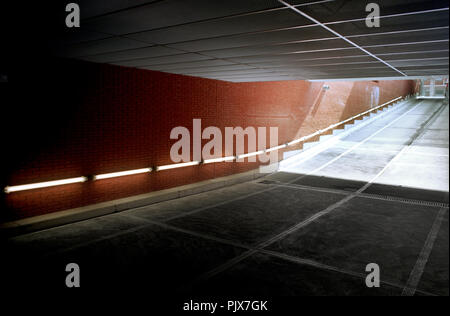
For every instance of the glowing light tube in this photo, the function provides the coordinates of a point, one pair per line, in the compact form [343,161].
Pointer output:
[250,154]
[179,165]
[16,188]
[222,159]
[276,148]
[25,187]
[297,141]
[121,174]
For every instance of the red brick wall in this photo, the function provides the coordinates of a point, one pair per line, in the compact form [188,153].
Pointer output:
[93,119]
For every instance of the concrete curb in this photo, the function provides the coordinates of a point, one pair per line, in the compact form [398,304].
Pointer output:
[41,222]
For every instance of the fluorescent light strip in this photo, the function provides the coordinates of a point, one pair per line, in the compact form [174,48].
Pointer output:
[25,187]
[222,159]
[276,148]
[250,154]
[121,174]
[179,165]
[294,142]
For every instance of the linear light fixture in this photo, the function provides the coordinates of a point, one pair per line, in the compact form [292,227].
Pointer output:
[221,159]
[294,142]
[121,174]
[257,153]
[47,184]
[178,165]
[276,148]
[24,187]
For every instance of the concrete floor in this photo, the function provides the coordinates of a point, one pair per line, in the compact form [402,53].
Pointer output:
[379,196]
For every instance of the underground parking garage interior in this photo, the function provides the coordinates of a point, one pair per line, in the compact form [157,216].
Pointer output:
[225,149]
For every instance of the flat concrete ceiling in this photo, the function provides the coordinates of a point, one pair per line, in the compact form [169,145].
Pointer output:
[262,40]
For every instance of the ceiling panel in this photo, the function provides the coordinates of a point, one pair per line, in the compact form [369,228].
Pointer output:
[174,12]
[144,62]
[415,55]
[193,64]
[204,70]
[223,27]
[426,67]
[267,76]
[80,35]
[409,47]
[402,37]
[262,39]
[393,24]
[420,62]
[132,54]
[306,69]
[432,72]
[341,10]
[100,47]
[233,73]
[347,52]
[261,78]
[279,49]
[92,8]
[318,62]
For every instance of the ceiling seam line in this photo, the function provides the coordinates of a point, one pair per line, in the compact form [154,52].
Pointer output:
[119,11]
[196,53]
[281,54]
[230,59]
[338,34]
[261,45]
[280,29]
[230,16]
[299,26]
[254,32]
[320,39]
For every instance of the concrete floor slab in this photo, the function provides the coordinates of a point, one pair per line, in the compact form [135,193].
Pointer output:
[426,107]
[251,277]
[165,210]
[358,165]
[435,277]
[415,176]
[331,183]
[433,143]
[166,246]
[435,136]
[259,217]
[428,150]
[382,122]
[306,166]
[411,121]
[441,122]
[152,258]
[370,146]
[364,231]
[408,193]
[359,135]
[282,177]
[426,161]
[393,135]
[62,237]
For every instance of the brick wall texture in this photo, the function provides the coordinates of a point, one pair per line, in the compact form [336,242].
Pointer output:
[68,119]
